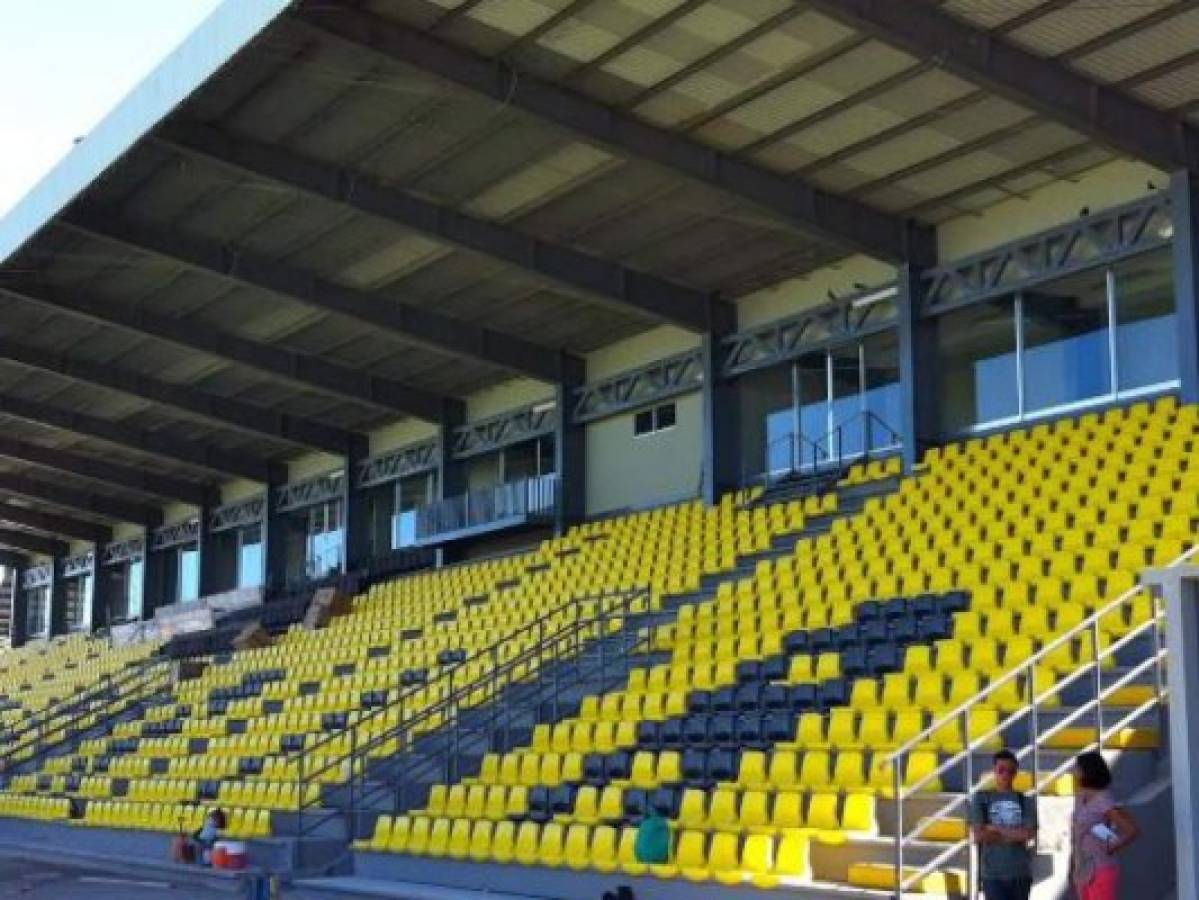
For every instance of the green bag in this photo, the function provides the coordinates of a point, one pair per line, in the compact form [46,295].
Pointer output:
[652,846]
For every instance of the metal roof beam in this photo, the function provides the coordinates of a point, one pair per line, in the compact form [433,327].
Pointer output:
[427,328]
[13,560]
[1104,112]
[236,464]
[32,543]
[849,223]
[310,372]
[568,267]
[63,526]
[220,410]
[112,508]
[121,476]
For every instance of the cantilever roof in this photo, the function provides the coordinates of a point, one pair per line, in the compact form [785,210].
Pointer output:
[350,211]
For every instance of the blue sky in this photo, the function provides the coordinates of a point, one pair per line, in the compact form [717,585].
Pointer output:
[65,63]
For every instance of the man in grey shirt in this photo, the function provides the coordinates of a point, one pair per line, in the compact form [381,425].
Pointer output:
[1004,825]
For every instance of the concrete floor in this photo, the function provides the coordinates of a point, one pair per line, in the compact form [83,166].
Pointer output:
[22,878]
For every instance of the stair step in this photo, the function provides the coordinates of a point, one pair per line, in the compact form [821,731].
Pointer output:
[881,876]
[948,830]
[1124,739]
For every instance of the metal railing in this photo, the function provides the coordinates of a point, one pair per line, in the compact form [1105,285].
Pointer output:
[56,724]
[530,497]
[528,657]
[1087,672]
[856,439]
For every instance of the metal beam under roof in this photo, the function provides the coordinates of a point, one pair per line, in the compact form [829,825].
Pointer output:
[32,543]
[409,323]
[221,410]
[238,464]
[570,268]
[118,475]
[51,523]
[849,223]
[1061,94]
[112,508]
[307,371]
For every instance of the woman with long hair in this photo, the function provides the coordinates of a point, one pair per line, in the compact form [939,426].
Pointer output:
[1100,830]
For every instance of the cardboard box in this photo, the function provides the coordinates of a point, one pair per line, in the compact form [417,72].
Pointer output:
[251,637]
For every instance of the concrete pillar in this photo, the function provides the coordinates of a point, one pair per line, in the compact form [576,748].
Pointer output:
[570,451]
[1184,199]
[100,590]
[274,542]
[209,564]
[919,425]
[1179,588]
[451,474]
[721,423]
[356,551]
[19,622]
[153,582]
[58,599]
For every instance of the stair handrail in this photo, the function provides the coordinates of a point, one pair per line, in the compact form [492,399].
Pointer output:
[359,750]
[117,686]
[1029,709]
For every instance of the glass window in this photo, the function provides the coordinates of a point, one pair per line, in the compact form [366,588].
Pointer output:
[412,494]
[848,436]
[1067,354]
[249,557]
[77,598]
[37,622]
[189,573]
[1146,337]
[977,350]
[325,539]
[883,397]
[643,422]
[666,416]
[812,383]
[134,583]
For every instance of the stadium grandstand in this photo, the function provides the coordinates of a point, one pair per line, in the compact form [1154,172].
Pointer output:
[439,433]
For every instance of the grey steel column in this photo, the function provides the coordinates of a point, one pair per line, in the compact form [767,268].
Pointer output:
[570,449]
[1184,203]
[721,462]
[19,620]
[354,507]
[58,599]
[919,427]
[1179,587]
[98,615]
[274,548]
[152,576]
[207,548]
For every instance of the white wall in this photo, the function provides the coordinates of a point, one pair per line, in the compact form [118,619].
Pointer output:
[400,434]
[626,471]
[647,347]
[511,394]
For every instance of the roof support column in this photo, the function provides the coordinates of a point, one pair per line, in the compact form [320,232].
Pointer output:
[206,545]
[58,598]
[570,452]
[451,473]
[18,627]
[153,580]
[97,616]
[1184,199]
[274,543]
[919,423]
[721,463]
[356,509]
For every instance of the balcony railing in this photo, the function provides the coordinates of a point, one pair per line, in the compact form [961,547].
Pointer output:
[532,500]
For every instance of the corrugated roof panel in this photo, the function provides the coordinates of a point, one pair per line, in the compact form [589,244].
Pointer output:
[915,97]
[512,16]
[599,27]
[798,99]
[991,115]
[1167,40]
[990,13]
[1015,150]
[563,170]
[764,58]
[1179,88]
[1062,30]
